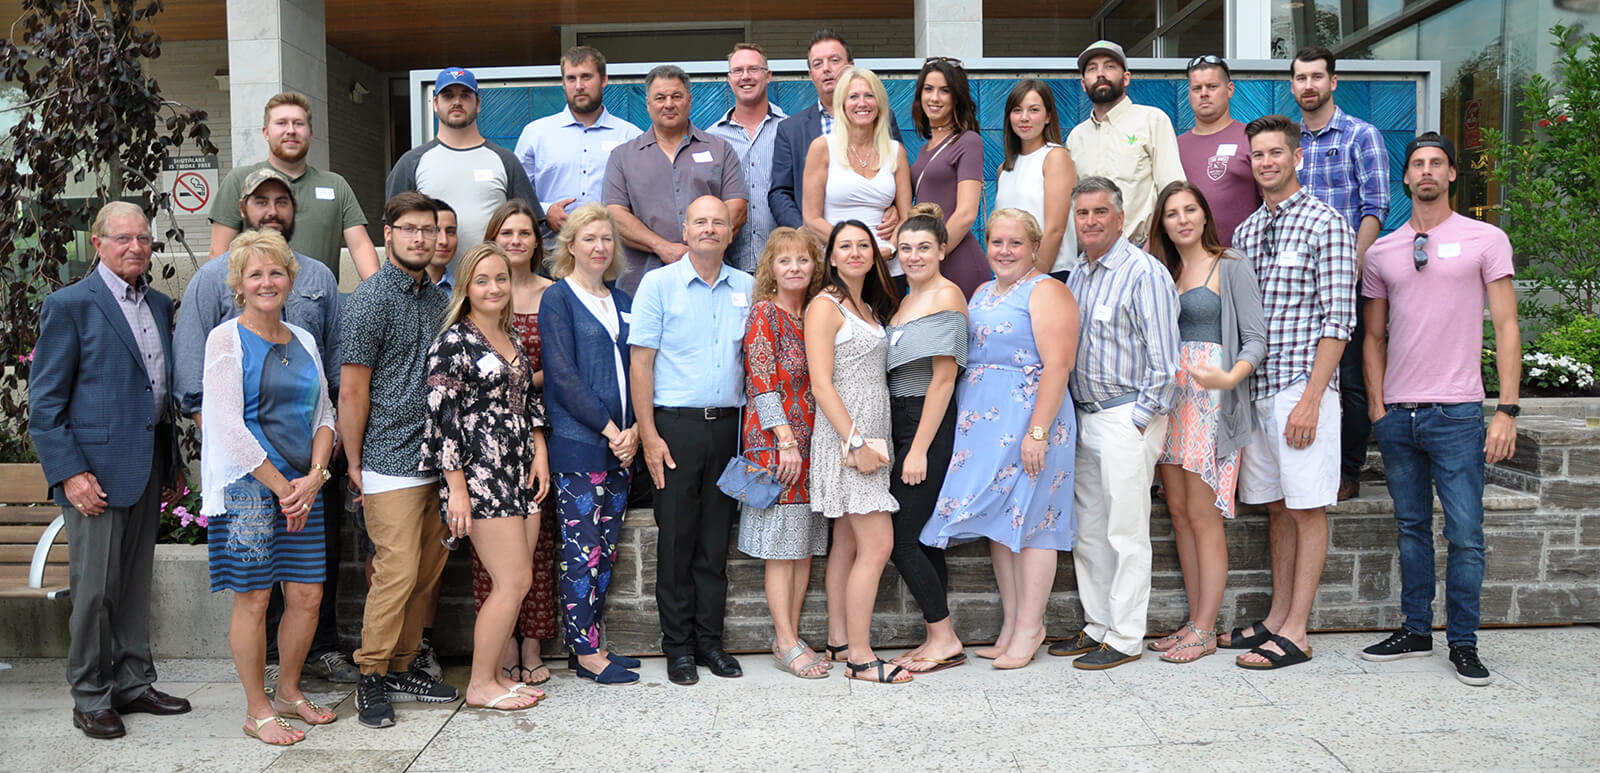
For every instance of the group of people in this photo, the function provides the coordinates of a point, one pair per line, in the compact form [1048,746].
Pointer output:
[792,290]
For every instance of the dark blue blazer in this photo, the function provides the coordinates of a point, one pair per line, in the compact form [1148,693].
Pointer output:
[89,406]
[795,133]
[580,380]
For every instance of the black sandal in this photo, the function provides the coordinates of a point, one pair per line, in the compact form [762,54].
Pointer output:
[853,671]
[1238,641]
[837,654]
[1291,656]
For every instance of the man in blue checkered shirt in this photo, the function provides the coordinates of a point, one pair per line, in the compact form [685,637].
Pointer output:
[1344,164]
[1305,258]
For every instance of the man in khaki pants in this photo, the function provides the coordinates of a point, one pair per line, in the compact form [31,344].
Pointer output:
[387,325]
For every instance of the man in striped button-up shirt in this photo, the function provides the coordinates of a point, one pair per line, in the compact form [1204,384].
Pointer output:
[1124,384]
[1305,257]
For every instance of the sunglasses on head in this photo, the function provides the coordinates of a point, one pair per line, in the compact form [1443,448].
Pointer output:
[1208,60]
[950,60]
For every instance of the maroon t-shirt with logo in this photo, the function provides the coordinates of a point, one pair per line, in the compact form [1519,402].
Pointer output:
[1219,164]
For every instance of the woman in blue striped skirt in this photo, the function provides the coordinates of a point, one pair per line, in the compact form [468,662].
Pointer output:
[266,437]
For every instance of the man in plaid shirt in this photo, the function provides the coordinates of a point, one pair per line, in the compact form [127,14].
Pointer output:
[1305,256]
[1344,164]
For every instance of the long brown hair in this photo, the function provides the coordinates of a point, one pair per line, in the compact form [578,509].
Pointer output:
[1162,246]
[1052,130]
[503,213]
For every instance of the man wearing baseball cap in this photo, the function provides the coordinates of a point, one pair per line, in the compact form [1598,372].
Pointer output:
[458,165]
[1426,285]
[267,201]
[1133,145]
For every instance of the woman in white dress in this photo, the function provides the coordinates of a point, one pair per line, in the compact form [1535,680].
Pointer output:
[857,171]
[1038,174]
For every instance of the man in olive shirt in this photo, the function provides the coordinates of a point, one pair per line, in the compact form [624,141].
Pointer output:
[327,211]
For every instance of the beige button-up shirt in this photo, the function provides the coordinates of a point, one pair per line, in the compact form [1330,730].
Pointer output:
[1137,149]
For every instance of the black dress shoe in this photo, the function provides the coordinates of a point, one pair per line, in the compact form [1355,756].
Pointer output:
[153,701]
[104,723]
[681,670]
[720,662]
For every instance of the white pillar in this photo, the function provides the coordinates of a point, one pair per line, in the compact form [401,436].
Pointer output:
[1249,29]
[275,46]
[951,28]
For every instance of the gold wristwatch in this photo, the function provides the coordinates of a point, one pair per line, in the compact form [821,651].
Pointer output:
[324,470]
[1036,432]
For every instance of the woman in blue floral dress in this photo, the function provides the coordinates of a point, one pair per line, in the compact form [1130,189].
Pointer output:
[1010,475]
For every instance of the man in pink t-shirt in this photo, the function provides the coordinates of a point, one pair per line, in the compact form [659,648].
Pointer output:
[1426,285]
[1215,153]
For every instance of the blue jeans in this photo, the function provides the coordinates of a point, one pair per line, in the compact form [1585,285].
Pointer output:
[1441,445]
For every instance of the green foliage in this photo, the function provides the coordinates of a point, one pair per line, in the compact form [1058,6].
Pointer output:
[15,445]
[1578,339]
[1552,182]
[86,110]
[181,521]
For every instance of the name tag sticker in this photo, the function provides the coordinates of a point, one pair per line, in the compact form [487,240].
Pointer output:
[1450,250]
[324,193]
[606,146]
[627,317]
[741,300]
[1103,313]
[1227,149]
[702,157]
[483,175]
[488,364]
[1289,258]
[1299,165]
[894,340]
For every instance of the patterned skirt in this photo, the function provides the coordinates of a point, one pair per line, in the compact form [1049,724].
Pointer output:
[251,548]
[1192,432]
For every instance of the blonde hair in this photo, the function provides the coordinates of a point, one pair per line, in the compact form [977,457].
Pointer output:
[782,238]
[264,244]
[459,305]
[1030,226]
[561,263]
[839,138]
[116,209]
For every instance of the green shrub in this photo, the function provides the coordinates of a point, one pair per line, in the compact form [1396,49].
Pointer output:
[1578,339]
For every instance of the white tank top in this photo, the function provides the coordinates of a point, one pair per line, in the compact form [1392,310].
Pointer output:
[1023,188]
[850,196]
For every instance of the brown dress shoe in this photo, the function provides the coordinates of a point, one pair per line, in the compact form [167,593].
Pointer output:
[153,701]
[104,723]
[1348,489]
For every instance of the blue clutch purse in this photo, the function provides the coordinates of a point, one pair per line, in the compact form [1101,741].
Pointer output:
[749,482]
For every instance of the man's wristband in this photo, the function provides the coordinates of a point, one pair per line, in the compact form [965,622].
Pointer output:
[1512,409]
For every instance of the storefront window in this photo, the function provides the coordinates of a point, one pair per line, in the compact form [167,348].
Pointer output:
[1202,32]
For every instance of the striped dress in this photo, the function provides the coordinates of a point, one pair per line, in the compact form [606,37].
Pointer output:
[251,547]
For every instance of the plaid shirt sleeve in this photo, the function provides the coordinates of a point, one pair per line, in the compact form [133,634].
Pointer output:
[1371,173]
[1335,262]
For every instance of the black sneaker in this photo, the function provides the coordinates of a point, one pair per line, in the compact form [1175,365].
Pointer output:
[334,667]
[416,685]
[1469,669]
[269,679]
[1104,657]
[1400,644]
[1077,645]
[372,702]
[426,662]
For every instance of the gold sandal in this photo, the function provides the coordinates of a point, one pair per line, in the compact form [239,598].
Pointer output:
[1170,640]
[1206,638]
[293,712]
[253,725]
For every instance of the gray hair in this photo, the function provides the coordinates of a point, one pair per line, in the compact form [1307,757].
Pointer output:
[1098,184]
[666,71]
[116,209]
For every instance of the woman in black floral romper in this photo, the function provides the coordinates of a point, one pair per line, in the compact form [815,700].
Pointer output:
[482,435]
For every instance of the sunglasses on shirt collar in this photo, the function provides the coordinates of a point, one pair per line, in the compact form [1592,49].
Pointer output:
[1419,256]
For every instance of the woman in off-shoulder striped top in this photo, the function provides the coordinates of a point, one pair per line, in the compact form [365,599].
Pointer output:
[927,352]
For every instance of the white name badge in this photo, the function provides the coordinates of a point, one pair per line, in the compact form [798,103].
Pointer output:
[488,364]
[739,299]
[1227,149]
[1103,313]
[894,340]
[1289,258]
[627,317]
[1450,250]
[606,146]
[483,175]
[702,157]
[324,193]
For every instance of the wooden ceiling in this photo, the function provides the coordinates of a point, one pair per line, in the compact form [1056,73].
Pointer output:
[398,35]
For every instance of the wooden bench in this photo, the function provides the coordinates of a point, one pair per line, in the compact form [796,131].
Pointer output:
[33,544]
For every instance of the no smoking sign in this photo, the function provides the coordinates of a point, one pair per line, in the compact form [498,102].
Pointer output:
[190,181]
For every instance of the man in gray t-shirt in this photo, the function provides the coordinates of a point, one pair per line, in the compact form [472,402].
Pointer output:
[458,165]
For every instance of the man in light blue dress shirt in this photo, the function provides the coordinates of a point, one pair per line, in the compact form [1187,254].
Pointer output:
[687,336]
[565,153]
[751,126]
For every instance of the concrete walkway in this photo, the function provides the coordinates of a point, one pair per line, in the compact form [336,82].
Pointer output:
[1337,712]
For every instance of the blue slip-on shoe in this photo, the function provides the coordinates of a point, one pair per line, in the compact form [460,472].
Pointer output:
[613,674]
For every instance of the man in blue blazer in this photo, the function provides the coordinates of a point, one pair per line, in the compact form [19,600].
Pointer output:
[826,60]
[101,416]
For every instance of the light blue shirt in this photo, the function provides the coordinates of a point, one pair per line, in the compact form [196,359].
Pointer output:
[755,155]
[565,159]
[697,331]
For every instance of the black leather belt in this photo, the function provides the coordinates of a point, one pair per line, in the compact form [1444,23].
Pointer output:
[1413,406]
[708,414]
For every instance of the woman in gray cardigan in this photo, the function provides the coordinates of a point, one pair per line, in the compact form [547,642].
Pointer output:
[1224,338]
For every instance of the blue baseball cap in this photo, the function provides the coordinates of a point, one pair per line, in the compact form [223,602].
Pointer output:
[451,76]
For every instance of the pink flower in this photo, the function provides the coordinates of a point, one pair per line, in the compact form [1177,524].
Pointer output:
[597,478]
[184,517]
[203,520]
